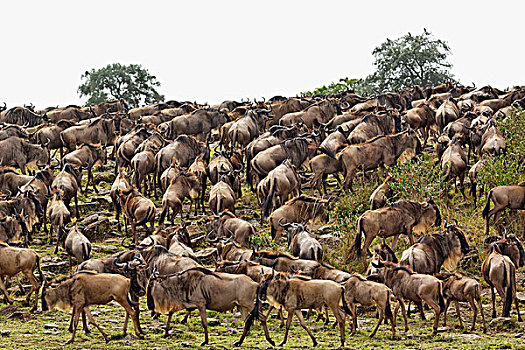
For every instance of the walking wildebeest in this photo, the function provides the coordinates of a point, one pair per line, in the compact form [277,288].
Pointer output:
[401,217]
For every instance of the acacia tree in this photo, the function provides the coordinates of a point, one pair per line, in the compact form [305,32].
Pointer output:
[410,60]
[130,82]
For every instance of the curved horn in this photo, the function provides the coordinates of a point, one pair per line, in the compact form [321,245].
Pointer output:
[129,246]
[285,225]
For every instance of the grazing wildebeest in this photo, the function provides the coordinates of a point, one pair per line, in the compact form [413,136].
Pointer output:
[401,217]
[379,198]
[90,288]
[415,287]
[454,165]
[368,293]
[500,273]
[226,225]
[283,262]
[512,197]
[459,288]
[14,260]
[303,206]
[249,268]
[100,131]
[199,123]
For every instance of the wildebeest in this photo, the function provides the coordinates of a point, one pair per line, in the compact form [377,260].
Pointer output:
[143,164]
[512,197]
[68,181]
[199,123]
[183,185]
[90,288]
[126,145]
[302,243]
[510,246]
[59,216]
[14,260]
[379,151]
[415,287]
[446,113]
[277,187]
[283,262]
[50,135]
[12,228]
[401,217]
[100,131]
[77,246]
[226,225]
[500,273]
[9,130]
[454,165]
[459,288]
[245,129]
[202,289]
[317,113]
[492,142]
[296,293]
[373,125]
[121,183]
[138,209]
[18,152]
[303,206]
[421,118]
[431,252]
[297,150]
[26,204]
[222,197]
[198,167]
[23,116]
[379,198]
[86,157]
[185,149]
[368,293]
[249,268]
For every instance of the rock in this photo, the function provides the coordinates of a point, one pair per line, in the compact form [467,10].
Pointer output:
[324,229]
[330,240]
[54,266]
[462,336]
[504,323]
[4,332]
[520,296]
[213,321]
[51,326]
[20,315]
[206,255]
[518,335]
[100,248]
[9,309]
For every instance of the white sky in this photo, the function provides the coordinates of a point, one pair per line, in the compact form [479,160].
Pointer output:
[210,51]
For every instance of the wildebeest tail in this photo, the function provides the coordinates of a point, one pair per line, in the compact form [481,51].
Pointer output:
[267,203]
[486,209]
[388,310]
[85,252]
[357,242]
[510,283]
[441,301]
[149,298]
[345,305]
[40,274]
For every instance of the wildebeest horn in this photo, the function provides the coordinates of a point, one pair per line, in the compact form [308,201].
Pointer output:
[183,223]
[285,225]
[48,142]
[129,246]
[241,169]
[119,265]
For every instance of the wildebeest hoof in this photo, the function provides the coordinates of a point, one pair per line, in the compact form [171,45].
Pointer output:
[272,343]
[204,343]
[237,343]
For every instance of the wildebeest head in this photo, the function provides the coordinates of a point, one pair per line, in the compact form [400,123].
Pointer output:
[453,229]
[56,296]
[510,246]
[430,212]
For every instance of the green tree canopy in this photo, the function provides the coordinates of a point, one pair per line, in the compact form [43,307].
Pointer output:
[130,82]
[343,84]
[410,60]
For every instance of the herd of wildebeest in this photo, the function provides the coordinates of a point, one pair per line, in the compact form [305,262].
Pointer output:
[278,148]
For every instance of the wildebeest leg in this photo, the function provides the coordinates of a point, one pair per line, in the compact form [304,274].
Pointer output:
[90,176]
[462,186]
[303,324]
[289,319]
[493,295]
[381,312]
[447,303]
[167,330]
[4,290]
[419,305]
[75,318]
[204,321]
[354,318]
[516,302]
[35,286]
[404,312]
[482,314]
[92,321]
[77,210]
[459,314]
[364,249]
[134,230]
[394,241]
[84,319]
